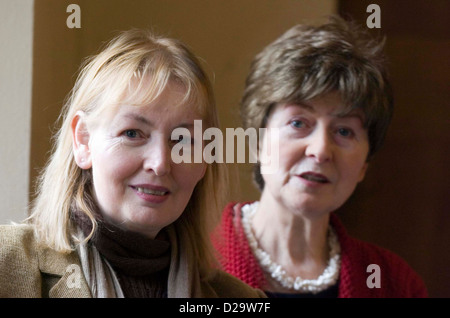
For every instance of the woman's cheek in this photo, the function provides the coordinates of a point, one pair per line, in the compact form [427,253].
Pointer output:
[189,174]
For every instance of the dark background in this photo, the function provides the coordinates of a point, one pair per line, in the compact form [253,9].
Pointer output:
[404,202]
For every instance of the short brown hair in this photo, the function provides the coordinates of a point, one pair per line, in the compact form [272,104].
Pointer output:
[310,61]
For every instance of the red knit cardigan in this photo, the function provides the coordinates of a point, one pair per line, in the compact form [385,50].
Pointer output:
[398,280]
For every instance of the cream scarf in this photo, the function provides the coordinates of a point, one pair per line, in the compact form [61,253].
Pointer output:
[184,276]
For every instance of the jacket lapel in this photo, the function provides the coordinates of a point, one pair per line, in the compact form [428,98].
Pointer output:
[67,268]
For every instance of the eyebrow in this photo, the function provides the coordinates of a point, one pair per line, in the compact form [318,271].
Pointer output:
[145,121]
[351,114]
[139,118]
[305,106]
[339,113]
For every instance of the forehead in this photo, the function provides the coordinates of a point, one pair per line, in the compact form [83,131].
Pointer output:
[329,105]
[171,102]
[146,93]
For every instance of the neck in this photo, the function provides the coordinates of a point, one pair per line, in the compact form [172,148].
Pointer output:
[295,239]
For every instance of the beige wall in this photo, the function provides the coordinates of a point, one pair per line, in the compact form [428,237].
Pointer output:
[16,38]
[226,34]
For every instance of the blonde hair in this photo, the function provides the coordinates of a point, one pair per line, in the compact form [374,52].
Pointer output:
[133,56]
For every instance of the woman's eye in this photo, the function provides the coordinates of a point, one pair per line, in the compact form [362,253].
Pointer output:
[298,124]
[345,132]
[131,133]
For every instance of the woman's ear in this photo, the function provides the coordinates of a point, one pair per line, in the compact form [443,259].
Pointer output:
[80,141]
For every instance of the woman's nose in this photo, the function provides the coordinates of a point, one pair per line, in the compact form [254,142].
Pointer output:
[157,157]
[320,145]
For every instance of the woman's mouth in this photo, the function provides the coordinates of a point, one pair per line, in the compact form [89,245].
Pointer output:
[314,177]
[151,193]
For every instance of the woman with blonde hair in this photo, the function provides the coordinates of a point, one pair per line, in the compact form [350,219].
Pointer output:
[114,215]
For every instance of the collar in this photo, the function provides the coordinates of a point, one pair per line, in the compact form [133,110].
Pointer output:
[65,269]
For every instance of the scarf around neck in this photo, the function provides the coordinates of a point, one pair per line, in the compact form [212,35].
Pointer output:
[139,264]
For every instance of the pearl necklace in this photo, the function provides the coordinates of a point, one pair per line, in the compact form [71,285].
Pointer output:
[327,279]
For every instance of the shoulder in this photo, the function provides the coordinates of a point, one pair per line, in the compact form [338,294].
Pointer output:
[31,269]
[374,254]
[228,286]
[398,278]
[360,259]
[360,251]
[15,231]
[17,239]
[19,264]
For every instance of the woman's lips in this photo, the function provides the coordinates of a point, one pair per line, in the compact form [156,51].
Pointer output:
[314,177]
[151,193]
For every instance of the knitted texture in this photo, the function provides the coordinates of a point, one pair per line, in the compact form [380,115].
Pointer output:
[398,279]
[235,254]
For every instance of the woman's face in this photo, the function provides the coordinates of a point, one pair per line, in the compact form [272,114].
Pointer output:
[322,155]
[137,185]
